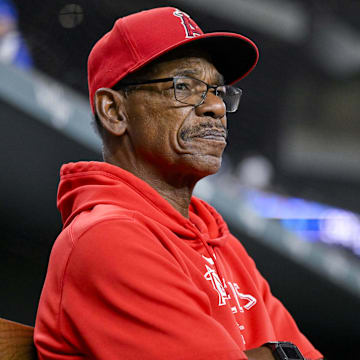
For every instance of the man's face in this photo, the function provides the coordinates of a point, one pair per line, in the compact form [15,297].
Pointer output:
[174,137]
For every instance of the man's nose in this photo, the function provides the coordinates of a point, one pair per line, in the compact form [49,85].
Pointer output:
[213,106]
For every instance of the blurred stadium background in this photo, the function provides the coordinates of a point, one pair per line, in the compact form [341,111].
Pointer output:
[290,184]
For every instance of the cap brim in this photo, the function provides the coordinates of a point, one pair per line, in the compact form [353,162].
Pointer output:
[234,55]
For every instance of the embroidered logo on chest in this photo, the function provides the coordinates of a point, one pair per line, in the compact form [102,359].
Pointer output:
[242,301]
[212,276]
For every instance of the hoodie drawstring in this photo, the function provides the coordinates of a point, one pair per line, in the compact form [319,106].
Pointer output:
[211,254]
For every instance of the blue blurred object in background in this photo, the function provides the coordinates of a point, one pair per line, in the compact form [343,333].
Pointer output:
[312,221]
[13,49]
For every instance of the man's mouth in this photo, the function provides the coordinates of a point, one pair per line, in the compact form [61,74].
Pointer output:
[211,134]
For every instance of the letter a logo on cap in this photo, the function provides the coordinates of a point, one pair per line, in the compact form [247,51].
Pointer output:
[191,29]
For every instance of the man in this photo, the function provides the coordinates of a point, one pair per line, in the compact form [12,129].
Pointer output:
[143,270]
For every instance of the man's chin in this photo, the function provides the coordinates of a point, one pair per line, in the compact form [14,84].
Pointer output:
[204,165]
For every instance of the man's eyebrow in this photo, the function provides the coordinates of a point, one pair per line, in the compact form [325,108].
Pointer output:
[219,80]
[186,72]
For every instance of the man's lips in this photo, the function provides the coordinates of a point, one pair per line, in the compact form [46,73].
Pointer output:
[211,134]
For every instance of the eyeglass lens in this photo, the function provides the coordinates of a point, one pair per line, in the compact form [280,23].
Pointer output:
[193,92]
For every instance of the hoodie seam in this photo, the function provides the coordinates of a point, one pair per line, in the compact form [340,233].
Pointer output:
[128,217]
[62,283]
[75,240]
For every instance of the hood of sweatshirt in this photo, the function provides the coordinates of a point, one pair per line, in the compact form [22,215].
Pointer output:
[84,185]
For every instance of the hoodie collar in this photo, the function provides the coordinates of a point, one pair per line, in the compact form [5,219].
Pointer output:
[84,185]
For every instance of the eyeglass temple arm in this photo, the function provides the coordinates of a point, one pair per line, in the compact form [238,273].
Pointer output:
[140,82]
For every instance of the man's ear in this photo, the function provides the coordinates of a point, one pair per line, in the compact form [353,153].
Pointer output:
[109,106]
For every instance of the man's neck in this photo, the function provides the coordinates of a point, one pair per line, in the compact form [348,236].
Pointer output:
[177,189]
[179,198]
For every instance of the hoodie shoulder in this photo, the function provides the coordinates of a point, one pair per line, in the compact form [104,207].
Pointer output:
[100,213]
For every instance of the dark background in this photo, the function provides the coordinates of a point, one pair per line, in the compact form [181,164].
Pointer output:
[293,87]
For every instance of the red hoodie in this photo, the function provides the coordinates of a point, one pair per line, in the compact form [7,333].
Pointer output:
[130,278]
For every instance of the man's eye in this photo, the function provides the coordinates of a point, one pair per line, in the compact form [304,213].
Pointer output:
[182,86]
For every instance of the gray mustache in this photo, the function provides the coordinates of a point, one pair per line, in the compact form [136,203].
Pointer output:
[203,129]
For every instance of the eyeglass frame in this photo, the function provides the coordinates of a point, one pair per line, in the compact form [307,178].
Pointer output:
[122,85]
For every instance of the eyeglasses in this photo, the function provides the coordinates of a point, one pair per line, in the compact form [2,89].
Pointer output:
[191,91]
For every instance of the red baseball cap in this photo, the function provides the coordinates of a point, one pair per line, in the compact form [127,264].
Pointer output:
[138,39]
